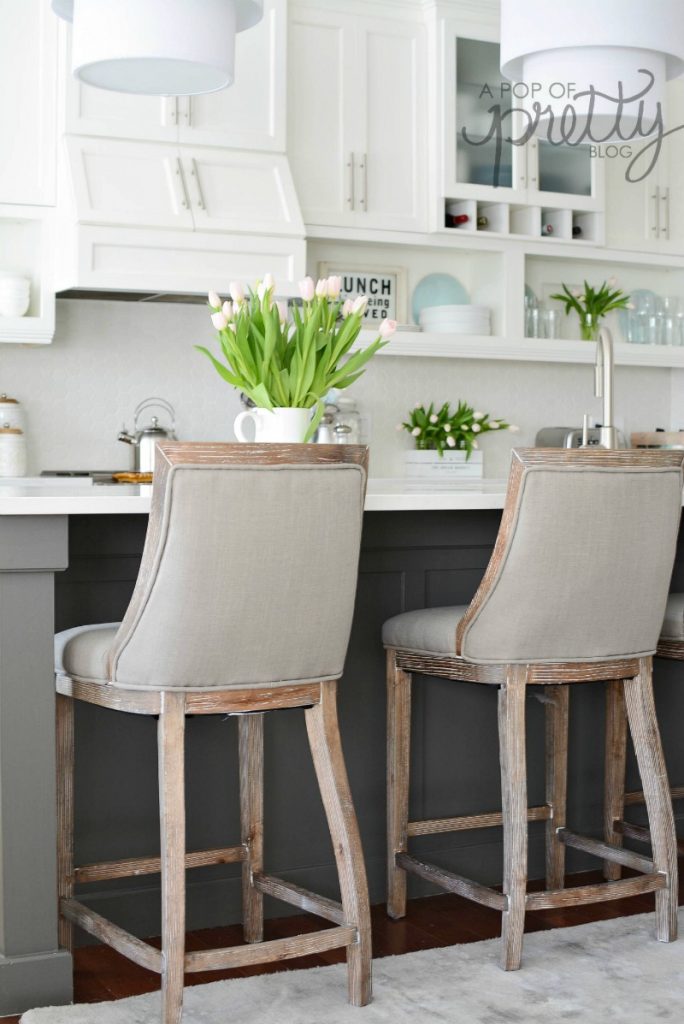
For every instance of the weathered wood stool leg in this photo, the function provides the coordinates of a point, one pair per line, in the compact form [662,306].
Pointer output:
[326,750]
[65,811]
[251,745]
[556,781]
[514,793]
[643,726]
[615,763]
[171,743]
[398,759]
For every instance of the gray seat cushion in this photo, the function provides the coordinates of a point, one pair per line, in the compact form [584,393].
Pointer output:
[673,626]
[428,630]
[82,652]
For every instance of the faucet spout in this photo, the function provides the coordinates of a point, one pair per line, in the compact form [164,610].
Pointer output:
[604,374]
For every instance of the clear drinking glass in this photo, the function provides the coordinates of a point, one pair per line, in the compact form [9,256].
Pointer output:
[552,323]
[534,327]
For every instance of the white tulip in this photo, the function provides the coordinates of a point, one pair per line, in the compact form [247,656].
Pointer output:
[494,425]
[322,287]
[307,289]
[416,431]
[237,291]
[447,428]
[476,428]
[434,418]
[513,429]
[218,320]
[347,308]
[269,283]
[360,304]
[227,310]
[282,311]
[214,300]
[334,287]
[451,441]
[478,416]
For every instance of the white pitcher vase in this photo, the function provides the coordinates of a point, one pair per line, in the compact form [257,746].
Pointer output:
[279,426]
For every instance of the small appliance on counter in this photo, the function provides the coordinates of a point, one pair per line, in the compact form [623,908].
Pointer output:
[144,439]
[658,438]
[570,437]
[12,438]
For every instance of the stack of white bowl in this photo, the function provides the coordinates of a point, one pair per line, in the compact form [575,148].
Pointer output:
[456,319]
[15,295]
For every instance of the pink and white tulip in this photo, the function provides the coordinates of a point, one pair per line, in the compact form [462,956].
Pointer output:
[387,329]
[282,311]
[360,304]
[322,288]
[268,282]
[451,441]
[214,300]
[237,292]
[347,308]
[307,289]
[227,309]
[219,320]
[334,287]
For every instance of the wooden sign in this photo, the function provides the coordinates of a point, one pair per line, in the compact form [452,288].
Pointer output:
[385,288]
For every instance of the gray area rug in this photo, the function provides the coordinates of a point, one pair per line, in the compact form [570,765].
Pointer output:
[610,971]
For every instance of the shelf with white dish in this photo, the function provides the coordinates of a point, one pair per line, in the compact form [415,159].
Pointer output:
[422,344]
[25,233]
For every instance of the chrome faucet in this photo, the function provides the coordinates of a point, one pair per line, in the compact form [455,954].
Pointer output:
[604,373]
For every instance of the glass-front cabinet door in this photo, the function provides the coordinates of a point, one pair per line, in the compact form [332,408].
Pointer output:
[486,156]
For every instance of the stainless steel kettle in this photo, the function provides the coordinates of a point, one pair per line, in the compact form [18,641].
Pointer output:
[144,439]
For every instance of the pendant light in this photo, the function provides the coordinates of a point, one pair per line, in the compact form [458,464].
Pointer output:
[157,47]
[552,52]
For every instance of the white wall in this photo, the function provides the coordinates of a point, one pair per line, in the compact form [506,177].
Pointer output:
[107,356]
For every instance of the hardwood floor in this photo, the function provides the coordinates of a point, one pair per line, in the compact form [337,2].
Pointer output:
[444,920]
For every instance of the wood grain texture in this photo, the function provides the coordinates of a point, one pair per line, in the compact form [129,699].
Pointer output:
[539,673]
[326,750]
[296,896]
[642,834]
[453,883]
[251,757]
[64,710]
[466,822]
[272,951]
[171,732]
[643,726]
[599,892]
[637,796]
[398,762]
[131,866]
[614,770]
[122,941]
[669,648]
[184,453]
[514,799]
[610,853]
[556,728]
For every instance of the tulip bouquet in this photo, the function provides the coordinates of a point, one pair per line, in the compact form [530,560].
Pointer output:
[591,304]
[441,429]
[281,363]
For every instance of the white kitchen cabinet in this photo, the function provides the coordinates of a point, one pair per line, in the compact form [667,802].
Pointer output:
[232,190]
[357,118]
[250,114]
[648,214]
[28,79]
[131,183]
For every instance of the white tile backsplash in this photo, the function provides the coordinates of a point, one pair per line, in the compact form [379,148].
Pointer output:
[108,356]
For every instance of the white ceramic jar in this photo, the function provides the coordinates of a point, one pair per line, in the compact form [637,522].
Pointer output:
[11,412]
[12,452]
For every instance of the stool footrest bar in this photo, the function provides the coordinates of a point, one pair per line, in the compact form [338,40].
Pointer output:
[112,935]
[453,883]
[601,892]
[465,822]
[637,796]
[605,851]
[274,950]
[640,833]
[152,865]
[331,910]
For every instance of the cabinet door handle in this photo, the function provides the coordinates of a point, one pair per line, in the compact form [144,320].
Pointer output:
[664,223]
[655,214]
[198,185]
[184,201]
[363,167]
[173,100]
[350,190]
[186,110]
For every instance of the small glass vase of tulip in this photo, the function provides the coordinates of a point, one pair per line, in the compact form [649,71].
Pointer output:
[287,366]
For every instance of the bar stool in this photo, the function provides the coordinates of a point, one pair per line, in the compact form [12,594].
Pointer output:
[575,591]
[670,645]
[230,614]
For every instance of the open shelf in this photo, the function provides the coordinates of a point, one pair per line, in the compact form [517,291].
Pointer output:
[25,250]
[450,346]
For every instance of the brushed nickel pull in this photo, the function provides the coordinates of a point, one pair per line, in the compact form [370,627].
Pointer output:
[184,201]
[655,198]
[665,224]
[350,168]
[363,167]
[173,100]
[195,174]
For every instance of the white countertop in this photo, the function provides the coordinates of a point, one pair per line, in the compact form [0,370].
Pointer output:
[41,496]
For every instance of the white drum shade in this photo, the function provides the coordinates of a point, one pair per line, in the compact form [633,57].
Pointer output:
[556,52]
[63,9]
[159,47]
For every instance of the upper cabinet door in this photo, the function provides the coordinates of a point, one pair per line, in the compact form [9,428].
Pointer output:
[391,182]
[322,134]
[91,111]
[251,113]
[131,183]
[560,175]
[28,85]
[244,192]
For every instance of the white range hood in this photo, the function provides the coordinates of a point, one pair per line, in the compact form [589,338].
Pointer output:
[180,195]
